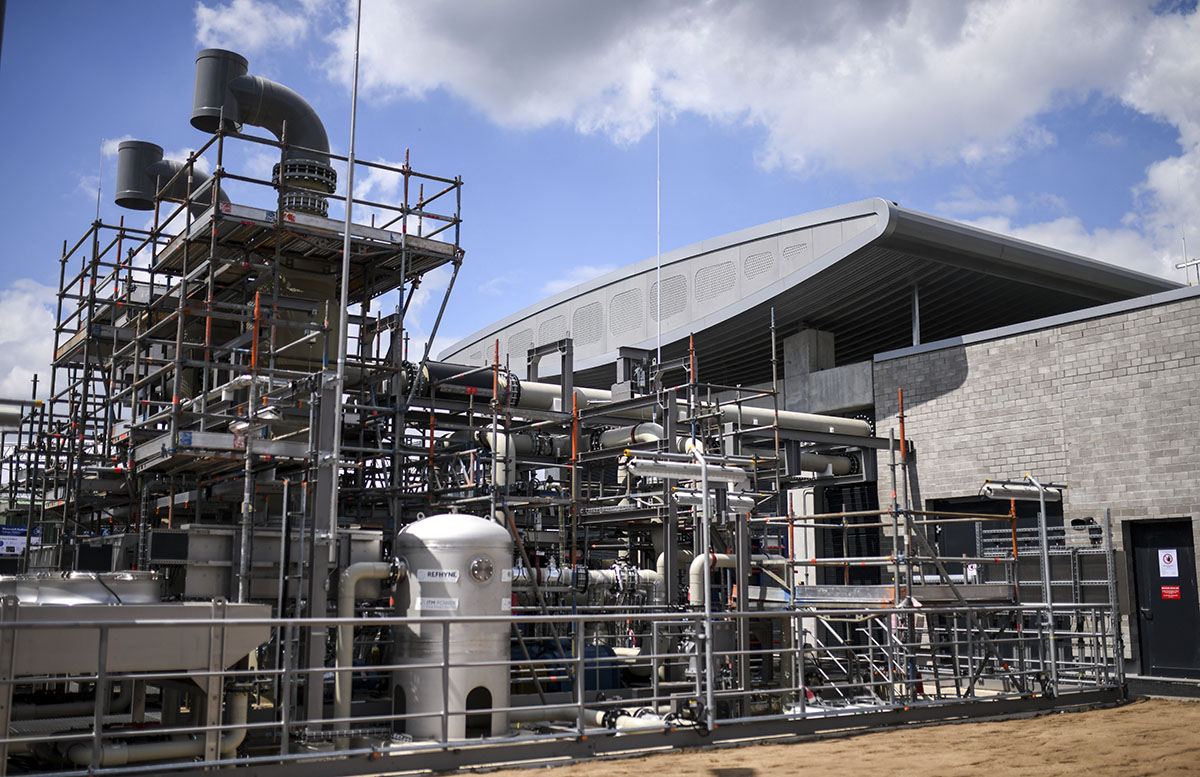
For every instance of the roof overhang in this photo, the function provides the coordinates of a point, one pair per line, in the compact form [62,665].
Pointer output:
[853,270]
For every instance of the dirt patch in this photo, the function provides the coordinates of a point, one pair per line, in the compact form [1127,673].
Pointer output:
[1154,737]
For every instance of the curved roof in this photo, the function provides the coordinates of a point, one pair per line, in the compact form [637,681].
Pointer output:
[850,270]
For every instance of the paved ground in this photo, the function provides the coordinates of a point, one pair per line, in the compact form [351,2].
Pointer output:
[1153,737]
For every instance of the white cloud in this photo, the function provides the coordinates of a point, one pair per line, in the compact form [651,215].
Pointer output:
[109,146]
[1164,84]
[575,276]
[1107,139]
[182,154]
[26,337]
[252,26]
[851,85]
[964,201]
[498,285]
[1122,246]
[876,90]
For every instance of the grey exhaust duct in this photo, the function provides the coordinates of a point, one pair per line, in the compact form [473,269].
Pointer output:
[226,98]
[142,171]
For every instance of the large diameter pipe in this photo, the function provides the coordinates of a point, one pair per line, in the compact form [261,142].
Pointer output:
[548,396]
[225,92]
[122,753]
[68,709]
[142,173]
[542,396]
[820,463]
[698,592]
[622,436]
[683,556]
[507,447]
[344,657]
[566,577]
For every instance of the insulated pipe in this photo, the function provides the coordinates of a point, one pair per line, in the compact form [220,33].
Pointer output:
[698,594]
[142,172]
[344,660]
[225,92]
[121,753]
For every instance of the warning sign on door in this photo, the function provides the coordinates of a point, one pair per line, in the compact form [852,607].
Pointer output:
[1168,563]
[1170,592]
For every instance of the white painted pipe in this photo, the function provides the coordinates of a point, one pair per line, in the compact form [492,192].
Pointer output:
[737,502]
[543,396]
[1019,492]
[819,463]
[689,470]
[698,593]
[121,753]
[682,556]
[595,718]
[507,447]
[344,660]
[69,709]
[565,576]
[622,436]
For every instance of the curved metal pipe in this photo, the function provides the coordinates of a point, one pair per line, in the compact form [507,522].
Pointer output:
[347,582]
[226,94]
[67,709]
[682,556]
[142,174]
[645,431]
[121,753]
[698,593]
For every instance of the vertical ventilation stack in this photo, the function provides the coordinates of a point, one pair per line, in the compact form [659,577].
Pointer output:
[226,98]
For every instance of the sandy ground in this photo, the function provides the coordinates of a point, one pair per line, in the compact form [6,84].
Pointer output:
[1149,737]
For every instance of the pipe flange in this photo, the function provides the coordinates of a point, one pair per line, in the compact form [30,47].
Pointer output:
[306,174]
[514,389]
[305,202]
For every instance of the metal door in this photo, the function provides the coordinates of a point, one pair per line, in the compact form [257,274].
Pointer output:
[1168,616]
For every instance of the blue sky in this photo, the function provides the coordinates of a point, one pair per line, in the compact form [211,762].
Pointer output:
[1073,124]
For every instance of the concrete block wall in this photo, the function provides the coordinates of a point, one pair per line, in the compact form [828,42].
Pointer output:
[1111,406]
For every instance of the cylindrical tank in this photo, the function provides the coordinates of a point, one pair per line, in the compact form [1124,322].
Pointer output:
[458,565]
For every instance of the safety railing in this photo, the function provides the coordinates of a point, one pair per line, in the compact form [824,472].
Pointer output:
[429,682]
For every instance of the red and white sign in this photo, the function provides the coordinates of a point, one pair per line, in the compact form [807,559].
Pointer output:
[1170,592]
[1168,562]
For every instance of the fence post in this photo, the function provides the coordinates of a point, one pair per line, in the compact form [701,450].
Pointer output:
[8,638]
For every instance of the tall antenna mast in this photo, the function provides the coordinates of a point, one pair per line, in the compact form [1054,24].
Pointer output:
[658,237]
[344,301]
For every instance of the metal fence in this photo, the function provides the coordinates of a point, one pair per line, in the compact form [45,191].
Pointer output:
[179,694]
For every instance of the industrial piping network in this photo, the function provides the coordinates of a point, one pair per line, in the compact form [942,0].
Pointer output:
[500,557]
